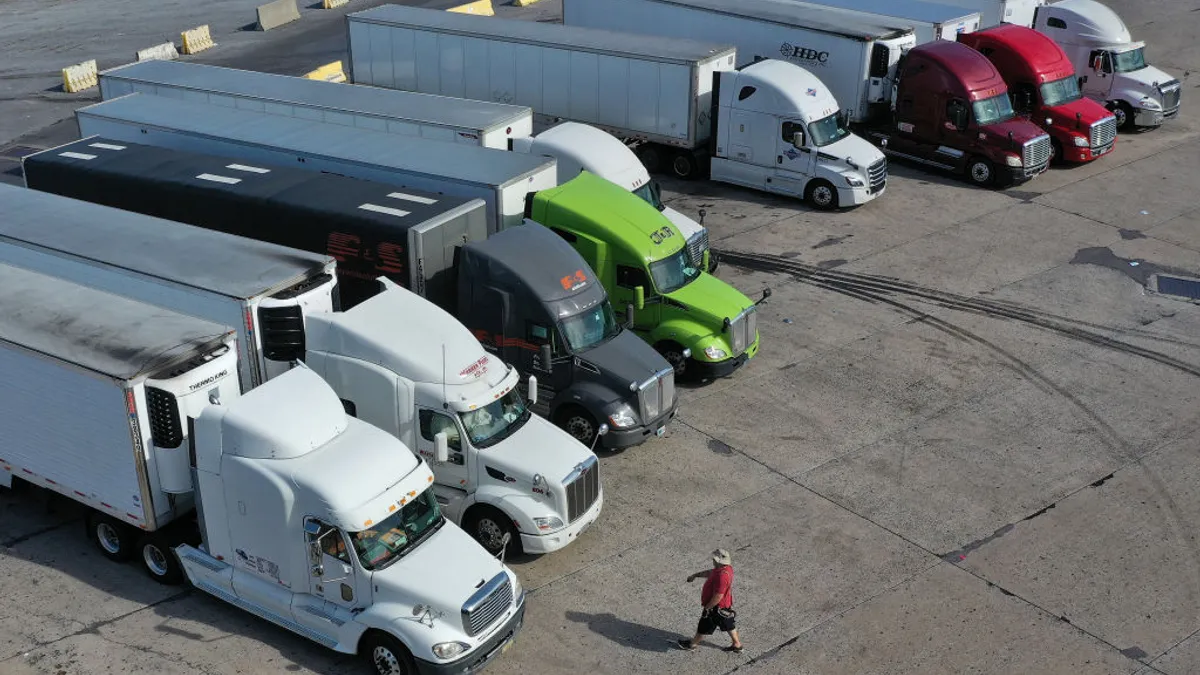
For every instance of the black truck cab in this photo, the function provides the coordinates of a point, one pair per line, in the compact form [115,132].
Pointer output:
[532,300]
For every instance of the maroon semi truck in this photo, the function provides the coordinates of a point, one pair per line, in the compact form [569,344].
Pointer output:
[950,110]
[1043,87]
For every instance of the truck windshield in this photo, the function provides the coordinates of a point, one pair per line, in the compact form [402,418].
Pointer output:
[1127,62]
[672,274]
[388,541]
[993,110]
[651,194]
[591,327]
[1061,91]
[495,421]
[827,130]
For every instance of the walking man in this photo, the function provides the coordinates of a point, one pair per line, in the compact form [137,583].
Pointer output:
[717,600]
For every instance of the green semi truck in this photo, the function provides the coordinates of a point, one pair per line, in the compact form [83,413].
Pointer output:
[703,326]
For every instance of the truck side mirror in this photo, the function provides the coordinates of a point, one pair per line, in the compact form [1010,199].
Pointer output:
[629,315]
[545,354]
[702,214]
[639,297]
[441,448]
[766,294]
[532,390]
[603,430]
[798,139]
[314,559]
[1097,63]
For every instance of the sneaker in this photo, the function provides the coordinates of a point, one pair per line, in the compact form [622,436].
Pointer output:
[685,645]
[736,650]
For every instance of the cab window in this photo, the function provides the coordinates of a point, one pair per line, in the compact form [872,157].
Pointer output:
[631,277]
[539,334]
[330,539]
[956,114]
[433,423]
[790,129]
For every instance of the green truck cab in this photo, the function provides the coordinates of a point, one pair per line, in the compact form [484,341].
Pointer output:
[703,326]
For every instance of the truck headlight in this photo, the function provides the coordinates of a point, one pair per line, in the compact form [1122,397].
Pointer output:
[1081,141]
[1012,160]
[854,182]
[714,352]
[548,523]
[518,588]
[623,417]
[449,650]
[1150,104]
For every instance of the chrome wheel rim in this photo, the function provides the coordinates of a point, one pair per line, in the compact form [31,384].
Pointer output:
[980,172]
[490,534]
[155,559]
[109,538]
[822,195]
[386,662]
[581,428]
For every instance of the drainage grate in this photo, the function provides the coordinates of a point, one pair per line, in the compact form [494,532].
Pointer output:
[1183,287]
[18,151]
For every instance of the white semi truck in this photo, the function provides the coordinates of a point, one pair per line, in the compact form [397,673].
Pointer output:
[662,96]
[394,361]
[488,124]
[1112,67]
[501,179]
[276,501]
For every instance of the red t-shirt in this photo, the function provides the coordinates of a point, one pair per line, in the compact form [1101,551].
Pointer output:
[720,581]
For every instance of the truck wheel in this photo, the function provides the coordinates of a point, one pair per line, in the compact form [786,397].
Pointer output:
[673,353]
[1123,113]
[387,655]
[684,166]
[981,172]
[579,423]
[114,538]
[651,158]
[1056,152]
[488,526]
[159,561]
[821,194]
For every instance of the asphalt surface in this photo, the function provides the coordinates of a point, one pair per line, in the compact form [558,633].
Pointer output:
[986,465]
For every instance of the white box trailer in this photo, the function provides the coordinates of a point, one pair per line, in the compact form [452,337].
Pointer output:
[996,12]
[654,90]
[854,55]
[260,289]
[392,111]
[929,20]
[501,179]
[86,377]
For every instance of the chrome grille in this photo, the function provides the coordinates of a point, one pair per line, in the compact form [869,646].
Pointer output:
[490,602]
[742,330]
[1171,92]
[656,395]
[1103,133]
[877,175]
[696,246]
[583,488]
[1036,155]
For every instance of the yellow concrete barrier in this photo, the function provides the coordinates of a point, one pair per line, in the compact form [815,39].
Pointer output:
[480,7]
[197,40]
[333,4]
[80,76]
[330,72]
[164,52]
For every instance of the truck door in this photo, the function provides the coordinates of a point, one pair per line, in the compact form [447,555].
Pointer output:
[628,278]
[334,588]
[1099,80]
[794,160]
[452,480]
[953,134]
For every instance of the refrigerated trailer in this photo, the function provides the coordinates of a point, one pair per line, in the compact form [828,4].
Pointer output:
[930,20]
[260,289]
[134,411]
[854,55]
[501,179]
[405,113]
[661,96]
[996,12]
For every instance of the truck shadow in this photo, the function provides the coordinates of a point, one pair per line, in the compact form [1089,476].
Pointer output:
[43,545]
[627,633]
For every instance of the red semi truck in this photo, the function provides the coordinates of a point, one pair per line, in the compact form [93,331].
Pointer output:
[950,109]
[1044,88]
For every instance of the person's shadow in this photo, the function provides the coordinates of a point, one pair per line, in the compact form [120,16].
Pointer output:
[627,633]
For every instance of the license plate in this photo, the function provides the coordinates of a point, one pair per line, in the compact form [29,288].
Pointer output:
[507,645]
[661,431]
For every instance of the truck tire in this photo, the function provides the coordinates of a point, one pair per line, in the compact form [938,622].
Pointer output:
[159,561]
[488,525]
[651,157]
[673,353]
[114,539]
[387,655]
[1123,113]
[1056,152]
[821,194]
[685,166]
[981,172]
[579,423]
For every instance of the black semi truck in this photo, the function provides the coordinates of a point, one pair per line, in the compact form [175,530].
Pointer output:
[524,292]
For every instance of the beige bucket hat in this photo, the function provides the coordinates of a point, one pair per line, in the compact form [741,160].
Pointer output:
[722,557]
